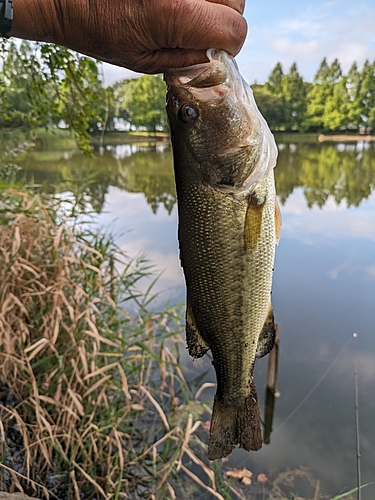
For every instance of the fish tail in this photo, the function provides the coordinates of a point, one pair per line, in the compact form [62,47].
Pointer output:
[233,424]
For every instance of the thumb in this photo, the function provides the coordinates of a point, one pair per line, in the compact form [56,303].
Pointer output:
[164,59]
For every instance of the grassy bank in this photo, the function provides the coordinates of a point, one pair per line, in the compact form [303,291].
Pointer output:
[295,137]
[63,139]
[117,137]
[93,402]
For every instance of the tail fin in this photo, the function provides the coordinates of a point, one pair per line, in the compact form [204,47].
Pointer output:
[235,424]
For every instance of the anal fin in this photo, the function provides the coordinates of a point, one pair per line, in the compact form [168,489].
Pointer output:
[267,336]
[197,346]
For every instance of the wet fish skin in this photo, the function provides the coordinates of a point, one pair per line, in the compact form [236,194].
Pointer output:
[227,239]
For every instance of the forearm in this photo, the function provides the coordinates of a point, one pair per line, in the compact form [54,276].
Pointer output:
[36,20]
[64,22]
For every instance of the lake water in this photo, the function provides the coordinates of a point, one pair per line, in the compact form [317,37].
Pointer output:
[323,288]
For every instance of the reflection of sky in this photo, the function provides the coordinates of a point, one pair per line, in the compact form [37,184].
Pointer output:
[324,290]
[139,231]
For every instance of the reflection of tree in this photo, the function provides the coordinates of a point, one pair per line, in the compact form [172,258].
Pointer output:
[153,175]
[89,179]
[324,170]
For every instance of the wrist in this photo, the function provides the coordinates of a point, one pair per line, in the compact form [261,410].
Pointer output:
[38,20]
[33,20]
[71,23]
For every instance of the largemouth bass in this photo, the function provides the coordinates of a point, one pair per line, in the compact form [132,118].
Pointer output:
[224,156]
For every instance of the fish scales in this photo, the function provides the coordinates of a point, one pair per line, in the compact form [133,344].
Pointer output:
[227,242]
[218,271]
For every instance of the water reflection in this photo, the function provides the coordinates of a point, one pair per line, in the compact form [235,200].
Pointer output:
[128,167]
[344,172]
[271,390]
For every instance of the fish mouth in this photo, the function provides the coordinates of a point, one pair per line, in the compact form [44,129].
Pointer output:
[207,82]
[185,76]
[198,75]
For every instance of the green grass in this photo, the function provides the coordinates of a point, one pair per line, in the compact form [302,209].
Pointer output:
[295,137]
[139,137]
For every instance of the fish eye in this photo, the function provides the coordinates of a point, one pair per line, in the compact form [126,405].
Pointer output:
[187,114]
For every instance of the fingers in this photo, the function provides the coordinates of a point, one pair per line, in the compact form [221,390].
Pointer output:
[196,26]
[238,5]
[205,24]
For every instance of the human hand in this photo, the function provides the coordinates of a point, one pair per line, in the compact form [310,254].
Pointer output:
[148,36]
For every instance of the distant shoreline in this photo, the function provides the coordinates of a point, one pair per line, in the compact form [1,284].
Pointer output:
[345,138]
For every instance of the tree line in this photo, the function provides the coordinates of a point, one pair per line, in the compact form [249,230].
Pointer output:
[334,101]
[42,85]
[321,170]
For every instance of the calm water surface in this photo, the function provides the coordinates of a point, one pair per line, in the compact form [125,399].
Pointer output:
[323,289]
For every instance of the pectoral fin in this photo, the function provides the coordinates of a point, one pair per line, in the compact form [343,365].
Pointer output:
[267,336]
[196,345]
[253,223]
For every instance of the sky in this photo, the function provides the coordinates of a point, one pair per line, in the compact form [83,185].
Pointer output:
[298,31]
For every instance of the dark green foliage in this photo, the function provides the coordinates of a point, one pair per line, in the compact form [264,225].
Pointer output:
[271,106]
[333,102]
[294,93]
[43,85]
[273,84]
[141,101]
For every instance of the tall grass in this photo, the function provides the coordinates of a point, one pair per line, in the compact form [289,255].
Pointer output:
[93,402]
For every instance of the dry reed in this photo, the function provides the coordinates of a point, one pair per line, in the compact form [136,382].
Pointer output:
[93,404]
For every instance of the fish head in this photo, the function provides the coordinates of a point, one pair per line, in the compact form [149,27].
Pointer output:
[210,115]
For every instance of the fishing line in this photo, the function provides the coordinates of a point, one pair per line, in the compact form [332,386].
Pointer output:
[314,387]
[308,396]
[358,448]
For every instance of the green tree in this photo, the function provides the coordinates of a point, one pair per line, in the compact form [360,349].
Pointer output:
[294,94]
[120,90]
[270,105]
[42,84]
[336,108]
[274,84]
[353,85]
[16,108]
[320,93]
[365,99]
[272,96]
[322,73]
[144,102]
